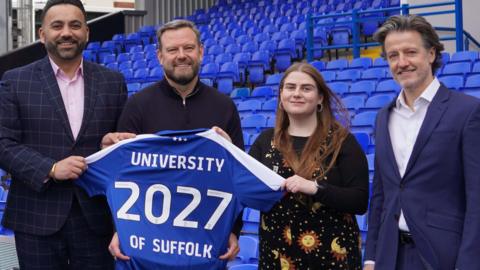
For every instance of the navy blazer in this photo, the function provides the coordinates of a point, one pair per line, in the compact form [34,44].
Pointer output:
[440,191]
[35,133]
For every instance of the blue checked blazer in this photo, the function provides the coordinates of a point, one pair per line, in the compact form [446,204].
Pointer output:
[35,133]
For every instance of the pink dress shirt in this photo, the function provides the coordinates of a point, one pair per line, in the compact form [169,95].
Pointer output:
[73,95]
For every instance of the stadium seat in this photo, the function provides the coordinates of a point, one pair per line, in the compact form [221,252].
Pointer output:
[473,82]
[339,88]
[460,68]
[270,105]
[253,122]
[274,81]
[378,101]
[132,40]
[348,75]
[240,93]
[338,64]
[363,87]
[360,63]
[133,87]
[464,56]
[374,74]
[353,103]
[388,86]
[363,139]
[284,54]
[380,62]
[227,75]
[263,92]
[156,73]
[452,82]
[223,58]
[328,75]
[299,36]
[364,122]
[319,65]
[244,267]
[210,71]
[248,249]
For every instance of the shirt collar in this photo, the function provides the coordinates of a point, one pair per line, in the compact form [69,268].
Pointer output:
[57,71]
[427,95]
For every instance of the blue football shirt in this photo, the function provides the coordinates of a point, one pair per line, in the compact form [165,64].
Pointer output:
[175,196]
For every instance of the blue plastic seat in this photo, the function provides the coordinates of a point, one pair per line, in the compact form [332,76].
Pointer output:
[364,122]
[362,63]
[274,81]
[133,87]
[215,49]
[249,245]
[270,105]
[89,55]
[226,40]
[240,93]
[465,56]
[338,64]
[473,82]
[132,40]
[374,74]
[379,101]
[250,47]
[109,58]
[339,88]
[125,65]
[227,75]
[141,74]
[353,103]
[363,139]
[156,73]
[249,106]
[264,92]
[223,58]
[328,75]
[284,54]
[363,87]
[380,62]
[122,57]
[348,75]
[319,65]
[209,71]
[139,64]
[452,82]
[388,86]
[299,36]
[460,68]
[253,122]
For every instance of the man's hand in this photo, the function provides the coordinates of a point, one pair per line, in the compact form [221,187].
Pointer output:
[114,137]
[233,248]
[222,133]
[70,168]
[114,248]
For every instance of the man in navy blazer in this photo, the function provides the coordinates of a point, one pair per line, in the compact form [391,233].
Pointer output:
[425,206]
[53,113]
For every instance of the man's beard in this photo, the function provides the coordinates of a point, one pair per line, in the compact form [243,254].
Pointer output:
[184,78]
[74,52]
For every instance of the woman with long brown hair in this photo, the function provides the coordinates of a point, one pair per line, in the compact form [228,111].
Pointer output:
[314,225]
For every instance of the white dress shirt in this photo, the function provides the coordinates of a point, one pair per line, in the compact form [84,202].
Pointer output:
[404,125]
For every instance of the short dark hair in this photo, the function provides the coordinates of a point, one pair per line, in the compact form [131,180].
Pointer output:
[174,25]
[415,23]
[52,3]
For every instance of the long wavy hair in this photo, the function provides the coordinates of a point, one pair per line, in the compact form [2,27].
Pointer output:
[323,146]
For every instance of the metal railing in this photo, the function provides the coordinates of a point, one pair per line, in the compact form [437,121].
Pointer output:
[361,16]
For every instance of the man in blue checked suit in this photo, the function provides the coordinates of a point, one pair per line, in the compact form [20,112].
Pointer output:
[425,206]
[53,113]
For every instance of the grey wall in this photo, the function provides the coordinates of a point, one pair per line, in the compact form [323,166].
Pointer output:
[161,11]
[470,20]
